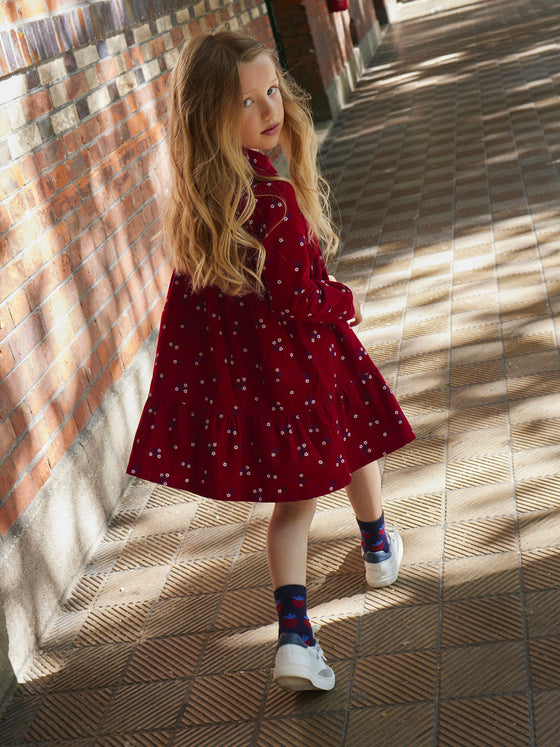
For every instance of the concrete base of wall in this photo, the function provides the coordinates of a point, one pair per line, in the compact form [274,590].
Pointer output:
[44,553]
[340,89]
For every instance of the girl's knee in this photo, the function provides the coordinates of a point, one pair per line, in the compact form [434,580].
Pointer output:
[296,509]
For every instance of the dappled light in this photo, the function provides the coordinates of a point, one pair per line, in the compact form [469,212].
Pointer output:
[446,187]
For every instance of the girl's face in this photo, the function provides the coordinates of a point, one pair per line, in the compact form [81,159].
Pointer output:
[263,111]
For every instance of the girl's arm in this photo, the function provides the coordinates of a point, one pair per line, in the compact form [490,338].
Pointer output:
[293,292]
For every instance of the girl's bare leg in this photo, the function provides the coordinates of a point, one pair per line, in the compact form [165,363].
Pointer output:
[364,493]
[287,535]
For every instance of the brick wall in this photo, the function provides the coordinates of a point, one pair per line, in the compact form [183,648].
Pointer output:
[318,44]
[82,172]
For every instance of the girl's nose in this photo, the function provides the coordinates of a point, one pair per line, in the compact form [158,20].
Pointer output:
[267,107]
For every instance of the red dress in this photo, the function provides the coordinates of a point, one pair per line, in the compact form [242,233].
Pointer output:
[268,398]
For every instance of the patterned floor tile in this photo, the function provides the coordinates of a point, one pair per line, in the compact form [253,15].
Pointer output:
[486,669]
[325,729]
[481,576]
[225,698]
[145,706]
[406,724]
[408,678]
[487,722]
[443,164]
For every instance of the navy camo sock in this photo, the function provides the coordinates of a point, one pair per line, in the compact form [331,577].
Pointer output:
[291,605]
[374,537]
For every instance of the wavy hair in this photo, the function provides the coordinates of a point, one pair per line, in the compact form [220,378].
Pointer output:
[210,198]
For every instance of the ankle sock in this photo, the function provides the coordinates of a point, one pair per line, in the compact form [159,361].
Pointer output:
[374,537]
[291,605]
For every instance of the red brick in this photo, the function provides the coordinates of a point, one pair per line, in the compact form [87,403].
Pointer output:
[28,9]
[113,116]
[20,416]
[157,46]
[73,226]
[11,178]
[61,260]
[82,414]
[33,441]
[131,347]
[69,433]
[24,234]
[7,436]
[40,472]
[40,190]
[98,232]
[5,220]
[29,167]
[117,369]
[134,228]
[17,206]
[13,276]
[70,141]
[50,155]
[36,104]
[61,336]
[19,307]
[178,36]
[106,70]
[76,85]
[104,171]
[60,176]
[137,123]
[73,391]
[98,392]
[53,417]
[92,367]
[28,336]
[42,284]
[41,394]
[56,450]
[65,364]
[106,350]
[17,502]
[130,151]
[45,216]
[88,131]
[110,142]
[83,184]
[66,201]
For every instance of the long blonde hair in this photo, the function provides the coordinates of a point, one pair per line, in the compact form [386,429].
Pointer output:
[210,197]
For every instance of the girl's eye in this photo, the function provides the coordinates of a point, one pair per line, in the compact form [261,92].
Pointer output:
[272,90]
[246,103]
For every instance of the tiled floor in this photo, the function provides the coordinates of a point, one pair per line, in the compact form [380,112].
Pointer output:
[445,165]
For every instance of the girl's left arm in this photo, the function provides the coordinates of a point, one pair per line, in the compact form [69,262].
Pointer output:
[293,289]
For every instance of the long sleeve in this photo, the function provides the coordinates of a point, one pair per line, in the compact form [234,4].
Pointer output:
[296,290]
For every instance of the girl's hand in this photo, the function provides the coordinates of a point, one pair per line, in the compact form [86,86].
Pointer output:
[358,318]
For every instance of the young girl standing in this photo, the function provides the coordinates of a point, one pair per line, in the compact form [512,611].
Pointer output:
[261,391]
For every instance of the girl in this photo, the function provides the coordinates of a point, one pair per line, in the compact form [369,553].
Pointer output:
[261,391]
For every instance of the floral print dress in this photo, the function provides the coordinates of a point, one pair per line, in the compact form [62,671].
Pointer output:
[265,398]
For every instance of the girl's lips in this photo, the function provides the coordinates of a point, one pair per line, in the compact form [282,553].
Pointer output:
[272,130]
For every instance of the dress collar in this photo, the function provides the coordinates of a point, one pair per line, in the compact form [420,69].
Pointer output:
[260,162]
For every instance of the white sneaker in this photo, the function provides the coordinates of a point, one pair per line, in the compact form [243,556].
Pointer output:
[382,568]
[301,667]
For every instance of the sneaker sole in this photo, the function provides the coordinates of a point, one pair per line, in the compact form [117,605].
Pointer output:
[385,573]
[290,674]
